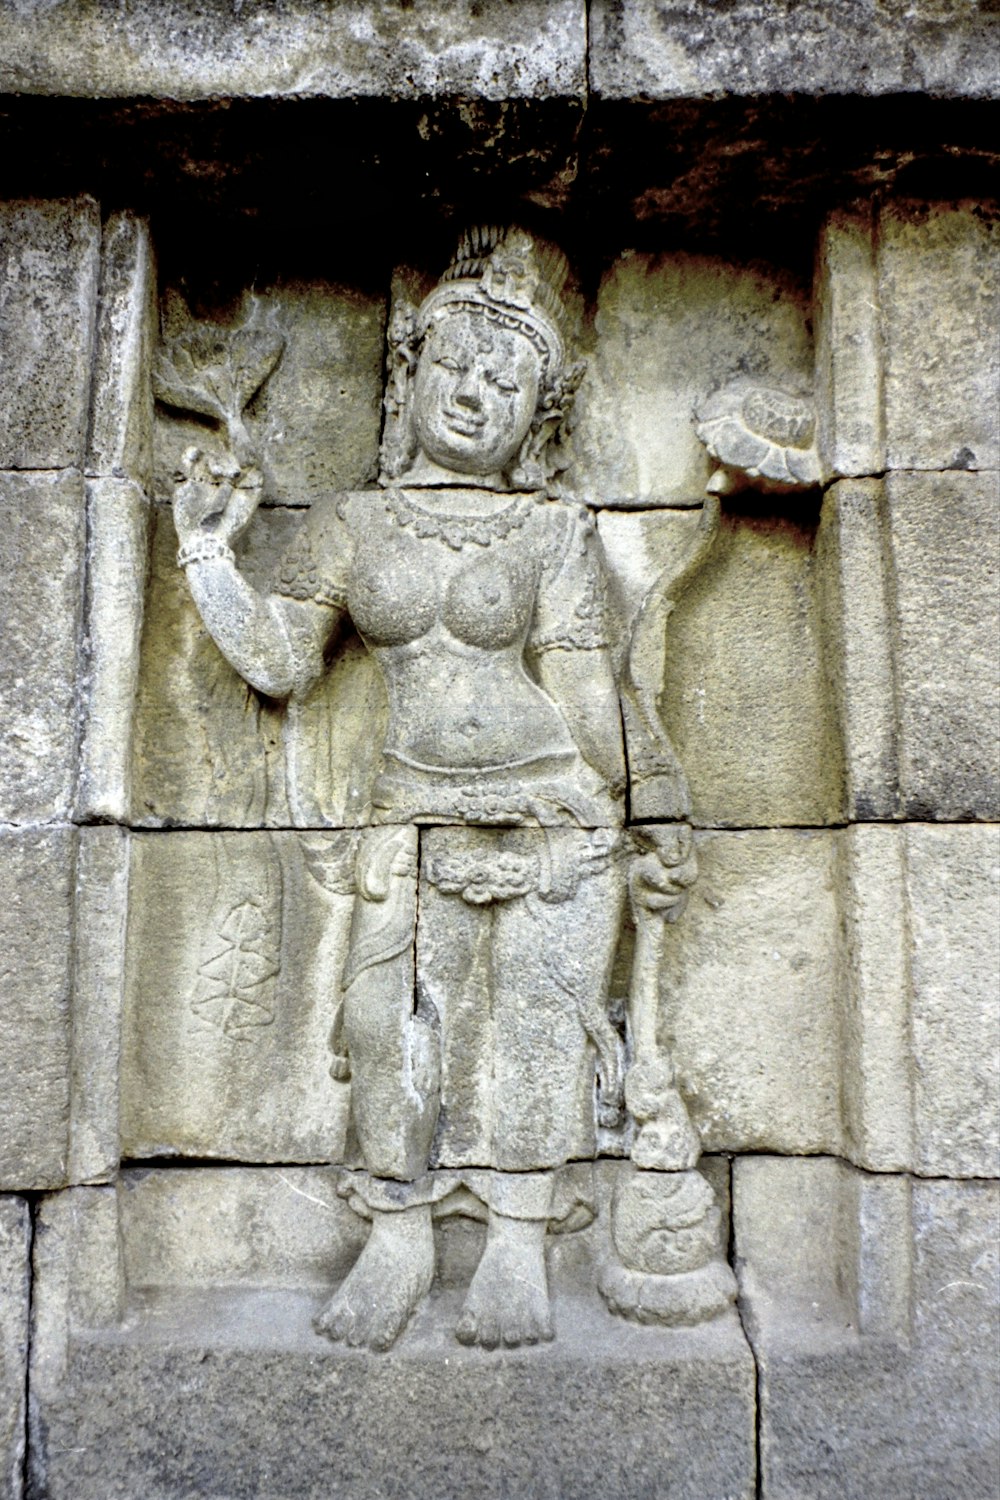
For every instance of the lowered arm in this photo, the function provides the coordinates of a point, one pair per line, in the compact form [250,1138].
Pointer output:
[582,684]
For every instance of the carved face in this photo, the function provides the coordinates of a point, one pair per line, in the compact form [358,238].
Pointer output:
[475,394]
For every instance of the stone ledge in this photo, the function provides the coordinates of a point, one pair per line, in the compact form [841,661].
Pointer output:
[183,50]
[670,49]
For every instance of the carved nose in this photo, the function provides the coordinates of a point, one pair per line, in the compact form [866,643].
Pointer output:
[468,395]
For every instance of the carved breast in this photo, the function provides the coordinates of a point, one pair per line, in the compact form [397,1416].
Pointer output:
[392,594]
[483,605]
[402,585]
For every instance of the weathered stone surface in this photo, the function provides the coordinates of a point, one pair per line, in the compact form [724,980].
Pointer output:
[750,996]
[871,1303]
[99,982]
[244,1227]
[851,1006]
[36,916]
[744,694]
[875,1000]
[121,415]
[118,525]
[668,331]
[939,293]
[669,50]
[185,51]
[49,259]
[849,377]
[41,599]
[909,583]
[315,423]
[856,605]
[945,550]
[920,1065]
[223,1272]
[208,750]
[236,949]
[15,1287]
[953,877]
[78,1272]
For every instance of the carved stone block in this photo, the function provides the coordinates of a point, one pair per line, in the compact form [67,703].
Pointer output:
[118,526]
[744,688]
[953,884]
[863,961]
[875,999]
[659,51]
[849,354]
[63,918]
[49,272]
[669,330]
[217,1273]
[237,946]
[750,997]
[871,1304]
[41,598]
[939,290]
[856,608]
[36,915]
[908,576]
[15,1290]
[100,932]
[171,51]
[120,442]
[943,540]
[208,750]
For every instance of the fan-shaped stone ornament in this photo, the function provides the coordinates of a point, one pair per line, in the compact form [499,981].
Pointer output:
[760,436]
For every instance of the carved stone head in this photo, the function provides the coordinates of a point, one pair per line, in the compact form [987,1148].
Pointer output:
[480,390]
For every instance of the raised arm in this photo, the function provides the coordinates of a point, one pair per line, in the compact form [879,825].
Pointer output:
[275,644]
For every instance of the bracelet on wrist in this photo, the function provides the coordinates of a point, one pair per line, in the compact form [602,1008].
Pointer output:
[204,549]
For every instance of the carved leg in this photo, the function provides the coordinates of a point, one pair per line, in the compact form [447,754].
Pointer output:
[395,1072]
[394,1052]
[387,1282]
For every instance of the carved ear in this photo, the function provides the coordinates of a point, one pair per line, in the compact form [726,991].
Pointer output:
[399,447]
[543,453]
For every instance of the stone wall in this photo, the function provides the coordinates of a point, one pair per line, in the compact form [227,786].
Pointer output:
[786,194]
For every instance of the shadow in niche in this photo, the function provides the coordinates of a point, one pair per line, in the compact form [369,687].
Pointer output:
[304,184]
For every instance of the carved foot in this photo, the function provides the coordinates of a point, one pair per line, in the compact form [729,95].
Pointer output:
[386,1284]
[508,1300]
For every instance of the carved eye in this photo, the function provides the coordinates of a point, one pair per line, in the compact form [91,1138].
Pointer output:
[447,363]
[502,383]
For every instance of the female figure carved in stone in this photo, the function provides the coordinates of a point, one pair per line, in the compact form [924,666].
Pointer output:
[472,1045]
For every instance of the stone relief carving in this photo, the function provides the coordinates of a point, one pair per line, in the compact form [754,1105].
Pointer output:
[480,1046]
[761,437]
[216,373]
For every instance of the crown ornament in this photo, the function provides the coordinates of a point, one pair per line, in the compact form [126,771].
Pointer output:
[509,278]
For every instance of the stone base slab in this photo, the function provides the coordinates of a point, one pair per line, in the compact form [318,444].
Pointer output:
[227,1394]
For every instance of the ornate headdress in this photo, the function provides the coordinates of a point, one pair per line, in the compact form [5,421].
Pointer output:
[516,282]
[509,278]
